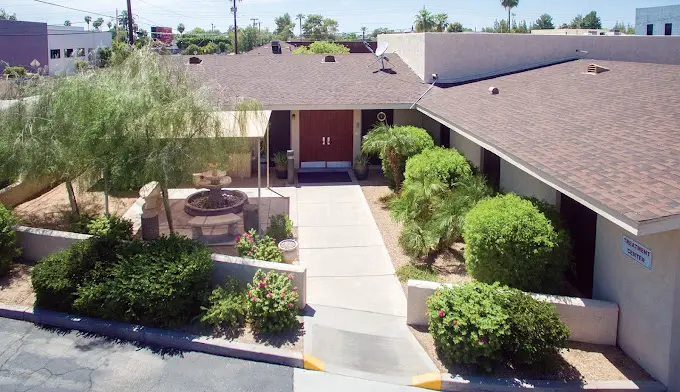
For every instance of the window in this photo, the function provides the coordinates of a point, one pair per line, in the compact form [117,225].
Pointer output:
[91,54]
[669,29]
[81,52]
[650,29]
[55,53]
[68,53]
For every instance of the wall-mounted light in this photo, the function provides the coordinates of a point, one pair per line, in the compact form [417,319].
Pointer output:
[293,116]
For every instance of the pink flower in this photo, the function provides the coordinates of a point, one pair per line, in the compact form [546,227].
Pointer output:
[290,276]
[295,292]
[441,313]
[238,238]
[290,306]
[262,284]
[254,299]
[283,295]
[455,322]
[249,295]
[269,295]
[483,340]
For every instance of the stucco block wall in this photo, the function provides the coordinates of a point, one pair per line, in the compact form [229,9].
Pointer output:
[471,150]
[648,298]
[21,43]
[23,191]
[37,243]
[589,321]
[657,16]
[60,37]
[468,56]
[408,117]
[521,183]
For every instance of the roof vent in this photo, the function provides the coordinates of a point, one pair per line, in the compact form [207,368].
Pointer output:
[494,90]
[329,59]
[594,69]
[195,60]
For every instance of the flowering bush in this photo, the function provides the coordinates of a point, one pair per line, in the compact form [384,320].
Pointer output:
[254,246]
[478,323]
[468,324]
[272,302]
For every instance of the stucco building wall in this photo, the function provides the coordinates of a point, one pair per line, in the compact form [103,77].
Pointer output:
[519,182]
[21,43]
[657,16]
[471,150]
[63,37]
[647,298]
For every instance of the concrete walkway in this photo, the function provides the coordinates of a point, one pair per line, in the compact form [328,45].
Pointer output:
[357,320]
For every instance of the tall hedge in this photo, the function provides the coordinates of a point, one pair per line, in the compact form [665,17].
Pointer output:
[8,240]
[508,240]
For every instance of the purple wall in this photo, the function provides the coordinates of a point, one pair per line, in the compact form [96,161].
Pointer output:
[21,43]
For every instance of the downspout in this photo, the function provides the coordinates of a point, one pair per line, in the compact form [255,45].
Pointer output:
[434,80]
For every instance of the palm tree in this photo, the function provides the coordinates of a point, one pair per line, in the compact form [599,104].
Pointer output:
[423,21]
[441,21]
[109,24]
[88,19]
[181,28]
[509,5]
[363,33]
[97,24]
[300,17]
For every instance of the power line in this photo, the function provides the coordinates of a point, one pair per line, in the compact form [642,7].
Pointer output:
[73,9]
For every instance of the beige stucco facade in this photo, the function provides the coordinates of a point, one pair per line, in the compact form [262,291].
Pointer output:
[517,181]
[471,150]
[648,298]
[295,135]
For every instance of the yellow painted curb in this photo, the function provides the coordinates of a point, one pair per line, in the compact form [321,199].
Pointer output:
[428,381]
[313,363]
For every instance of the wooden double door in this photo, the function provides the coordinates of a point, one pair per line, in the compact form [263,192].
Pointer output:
[326,136]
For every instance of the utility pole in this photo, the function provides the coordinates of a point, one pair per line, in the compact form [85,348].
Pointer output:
[116,24]
[212,27]
[254,21]
[131,34]
[259,26]
[235,31]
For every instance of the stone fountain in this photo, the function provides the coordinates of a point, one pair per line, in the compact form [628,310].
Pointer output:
[215,201]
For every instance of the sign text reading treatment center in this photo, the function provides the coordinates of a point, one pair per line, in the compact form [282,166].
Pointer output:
[637,252]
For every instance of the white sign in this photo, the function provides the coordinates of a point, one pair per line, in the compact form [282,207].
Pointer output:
[637,252]
[35,63]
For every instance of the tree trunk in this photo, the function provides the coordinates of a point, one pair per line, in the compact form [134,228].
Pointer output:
[166,207]
[106,193]
[72,198]
[393,159]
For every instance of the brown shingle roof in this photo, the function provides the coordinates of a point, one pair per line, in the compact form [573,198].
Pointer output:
[614,137]
[302,80]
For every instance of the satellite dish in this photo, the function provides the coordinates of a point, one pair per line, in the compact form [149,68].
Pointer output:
[382,49]
[380,54]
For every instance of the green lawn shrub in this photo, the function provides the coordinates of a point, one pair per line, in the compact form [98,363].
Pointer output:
[56,278]
[254,246]
[510,241]
[444,165]
[78,223]
[280,227]
[14,72]
[482,324]
[272,302]
[395,145]
[227,306]
[111,226]
[322,47]
[411,272]
[9,249]
[156,283]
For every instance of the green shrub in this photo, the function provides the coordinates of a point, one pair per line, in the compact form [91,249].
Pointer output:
[510,241]
[14,72]
[8,240]
[209,48]
[157,283]
[253,246]
[56,278]
[395,145]
[227,306]
[322,47]
[411,272]
[82,65]
[468,324]
[192,49]
[444,165]
[433,213]
[483,324]
[78,223]
[272,302]
[536,332]
[111,226]
[280,227]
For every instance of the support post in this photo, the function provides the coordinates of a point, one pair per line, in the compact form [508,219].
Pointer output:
[259,183]
[268,167]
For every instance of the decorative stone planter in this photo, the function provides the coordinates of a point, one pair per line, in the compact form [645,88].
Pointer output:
[289,250]
[281,172]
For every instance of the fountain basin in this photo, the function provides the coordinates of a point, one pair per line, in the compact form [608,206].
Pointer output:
[202,203]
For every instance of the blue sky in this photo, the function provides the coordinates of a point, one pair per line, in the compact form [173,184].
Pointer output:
[351,14]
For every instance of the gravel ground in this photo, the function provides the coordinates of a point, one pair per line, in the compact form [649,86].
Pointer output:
[579,362]
[449,264]
[15,287]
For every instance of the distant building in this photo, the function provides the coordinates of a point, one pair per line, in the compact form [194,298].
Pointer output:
[577,32]
[68,45]
[658,20]
[21,43]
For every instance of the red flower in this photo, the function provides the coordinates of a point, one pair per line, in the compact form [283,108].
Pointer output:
[262,284]
[441,313]
[290,306]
